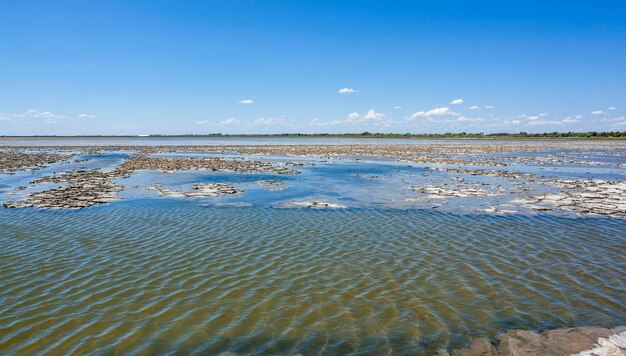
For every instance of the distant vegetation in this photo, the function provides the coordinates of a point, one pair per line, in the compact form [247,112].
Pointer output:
[581,135]
[592,134]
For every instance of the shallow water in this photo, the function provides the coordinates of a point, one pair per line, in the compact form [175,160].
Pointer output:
[155,276]
[251,274]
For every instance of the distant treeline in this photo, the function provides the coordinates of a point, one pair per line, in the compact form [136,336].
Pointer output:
[582,135]
[591,134]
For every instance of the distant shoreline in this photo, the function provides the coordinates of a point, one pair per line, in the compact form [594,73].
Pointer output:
[552,135]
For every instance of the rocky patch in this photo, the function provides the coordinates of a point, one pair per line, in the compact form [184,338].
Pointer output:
[568,341]
[318,204]
[200,190]
[585,197]
[11,161]
[81,189]
[170,164]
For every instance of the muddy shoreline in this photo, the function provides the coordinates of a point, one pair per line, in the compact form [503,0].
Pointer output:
[467,167]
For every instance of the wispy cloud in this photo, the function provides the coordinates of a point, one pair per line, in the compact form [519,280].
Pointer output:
[620,121]
[598,112]
[318,122]
[612,108]
[544,122]
[347,91]
[456,102]
[203,122]
[86,116]
[572,119]
[442,111]
[468,119]
[371,115]
[246,101]
[46,116]
[267,121]
[477,107]
[230,121]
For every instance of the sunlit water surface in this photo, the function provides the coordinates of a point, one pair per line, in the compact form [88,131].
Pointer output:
[152,276]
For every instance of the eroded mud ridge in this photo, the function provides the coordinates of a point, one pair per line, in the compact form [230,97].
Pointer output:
[86,188]
[582,341]
[199,190]
[11,161]
[503,177]
[140,162]
[587,197]
[81,189]
[582,196]
[461,152]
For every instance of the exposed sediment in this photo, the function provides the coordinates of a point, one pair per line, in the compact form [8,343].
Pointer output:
[199,190]
[585,197]
[11,161]
[171,164]
[85,188]
[584,341]
[317,204]
[581,196]
[82,189]
[521,191]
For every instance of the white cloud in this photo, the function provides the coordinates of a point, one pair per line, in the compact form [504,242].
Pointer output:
[622,122]
[230,121]
[474,107]
[512,122]
[533,118]
[442,111]
[203,122]
[246,101]
[456,102]
[489,107]
[467,119]
[371,115]
[347,91]
[598,112]
[612,108]
[543,114]
[32,113]
[318,122]
[544,122]
[86,116]
[397,107]
[572,119]
[267,121]
[46,116]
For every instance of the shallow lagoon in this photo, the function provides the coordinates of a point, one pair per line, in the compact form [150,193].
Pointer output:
[251,273]
[166,275]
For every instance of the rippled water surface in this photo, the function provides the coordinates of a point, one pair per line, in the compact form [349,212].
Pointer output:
[164,275]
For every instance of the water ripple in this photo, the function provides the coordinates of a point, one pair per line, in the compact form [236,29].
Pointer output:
[168,277]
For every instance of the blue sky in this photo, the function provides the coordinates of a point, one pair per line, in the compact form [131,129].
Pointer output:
[170,67]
